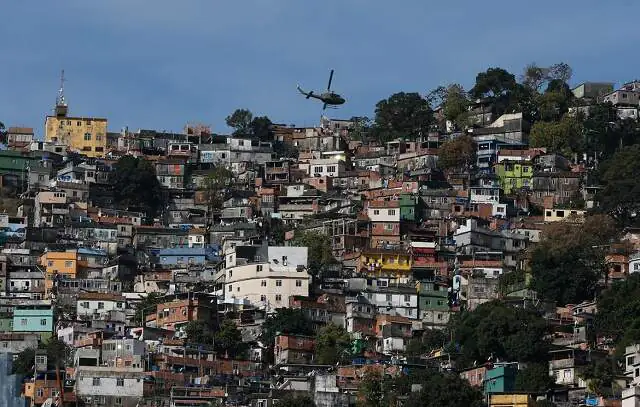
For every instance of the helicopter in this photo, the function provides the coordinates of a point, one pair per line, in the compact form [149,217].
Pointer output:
[328,98]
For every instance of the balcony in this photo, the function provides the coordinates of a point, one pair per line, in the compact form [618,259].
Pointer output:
[296,207]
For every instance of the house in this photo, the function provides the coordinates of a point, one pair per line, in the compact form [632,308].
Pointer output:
[513,176]
[34,317]
[393,265]
[360,316]
[50,209]
[293,349]
[558,215]
[110,386]
[19,137]
[59,263]
[562,187]
[184,256]
[385,222]
[183,308]
[433,306]
[266,276]
[592,90]
[87,135]
[91,304]
[171,173]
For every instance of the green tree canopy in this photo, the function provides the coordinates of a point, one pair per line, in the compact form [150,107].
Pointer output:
[320,253]
[286,321]
[458,153]
[136,185]
[492,83]
[618,314]
[569,261]
[620,195]
[507,333]
[534,378]
[405,115]
[240,121]
[200,332]
[332,344]
[217,180]
[228,339]
[59,355]
[295,401]
[262,128]
[564,137]
[445,390]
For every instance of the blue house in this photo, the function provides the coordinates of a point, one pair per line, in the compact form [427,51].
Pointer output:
[182,256]
[501,379]
[33,318]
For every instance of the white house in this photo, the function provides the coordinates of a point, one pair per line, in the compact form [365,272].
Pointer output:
[89,304]
[269,278]
[109,386]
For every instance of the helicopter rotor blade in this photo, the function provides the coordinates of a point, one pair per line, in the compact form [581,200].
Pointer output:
[330,80]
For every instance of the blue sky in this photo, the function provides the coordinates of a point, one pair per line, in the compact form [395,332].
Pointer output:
[159,64]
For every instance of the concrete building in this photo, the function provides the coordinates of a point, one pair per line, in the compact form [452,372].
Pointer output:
[109,386]
[50,209]
[9,383]
[266,276]
[86,135]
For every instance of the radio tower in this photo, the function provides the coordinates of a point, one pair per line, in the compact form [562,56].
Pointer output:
[61,104]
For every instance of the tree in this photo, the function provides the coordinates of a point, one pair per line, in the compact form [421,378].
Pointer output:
[534,378]
[564,137]
[24,363]
[361,128]
[136,185]
[493,83]
[458,153]
[262,128]
[3,133]
[320,253]
[569,261]
[498,330]
[240,121]
[199,332]
[535,76]
[445,390]
[600,376]
[295,401]
[286,321]
[371,390]
[216,183]
[228,339]
[618,314]
[456,105]
[332,344]
[404,115]
[620,195]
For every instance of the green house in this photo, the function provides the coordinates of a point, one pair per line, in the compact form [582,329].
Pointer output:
[501,379]
[409,207]
[433,303]
[514,175]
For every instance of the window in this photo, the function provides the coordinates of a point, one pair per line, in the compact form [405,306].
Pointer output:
[259,267]
[98,137]
[263,298]
[40,392]
[99,149]
[50,263]
[560,214]
[23,322]
[278,283]
[388,297]
[120,382]
[263,283]
[407,298]
[68,264]
[278,297]
[87,136]
[43,322]
[391,212]
[96,381]
[230,288]
[118,401]
[376,212]
[298,283]
[331,168]
[101,305]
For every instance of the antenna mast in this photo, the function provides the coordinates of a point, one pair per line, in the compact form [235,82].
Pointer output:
[60,101]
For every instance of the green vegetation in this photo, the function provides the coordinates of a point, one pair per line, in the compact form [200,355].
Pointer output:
[404,115]
[136,185]
[332,345]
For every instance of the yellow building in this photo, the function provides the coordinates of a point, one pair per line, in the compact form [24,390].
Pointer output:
[511,400]
[59,263]
[385,263]
[86,135]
